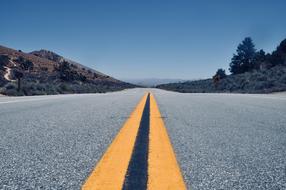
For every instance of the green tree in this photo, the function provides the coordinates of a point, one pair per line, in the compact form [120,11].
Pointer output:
[27,65]
[19,75]
[69,74]
[220,73]
[242,61]
[259,59]
[65,71]
[20,60]
[278,57]
[4,60]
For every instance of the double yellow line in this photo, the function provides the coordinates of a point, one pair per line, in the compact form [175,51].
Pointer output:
[163,170]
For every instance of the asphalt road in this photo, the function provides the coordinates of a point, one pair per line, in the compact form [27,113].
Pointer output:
[222,141]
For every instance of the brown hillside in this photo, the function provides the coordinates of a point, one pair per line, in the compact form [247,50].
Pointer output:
[45,72]
[37,61]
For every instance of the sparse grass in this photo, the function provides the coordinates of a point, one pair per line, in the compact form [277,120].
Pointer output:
[266,81]
[44,76]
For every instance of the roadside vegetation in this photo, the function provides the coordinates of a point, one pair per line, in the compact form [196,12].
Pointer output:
[251,71]
[44,73]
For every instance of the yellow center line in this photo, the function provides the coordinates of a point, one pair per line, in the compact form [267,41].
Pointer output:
[163,170]
[110,171]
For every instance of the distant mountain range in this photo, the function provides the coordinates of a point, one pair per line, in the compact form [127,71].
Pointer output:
[45,72]
[152,82]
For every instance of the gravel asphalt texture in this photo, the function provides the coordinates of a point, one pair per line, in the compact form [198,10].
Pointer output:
[228,141]
[54,142]
[222,141]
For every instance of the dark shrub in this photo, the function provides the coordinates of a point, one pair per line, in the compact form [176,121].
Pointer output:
[4,60]
[27,65]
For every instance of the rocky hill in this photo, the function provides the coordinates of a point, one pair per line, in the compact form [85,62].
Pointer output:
[45,72]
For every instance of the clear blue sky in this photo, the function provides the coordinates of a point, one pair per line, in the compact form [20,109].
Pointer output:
[143,39]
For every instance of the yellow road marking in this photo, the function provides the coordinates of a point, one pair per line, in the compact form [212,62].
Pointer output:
[110,172]
[163,170]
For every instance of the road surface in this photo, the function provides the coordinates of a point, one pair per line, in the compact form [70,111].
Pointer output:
[221,141]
